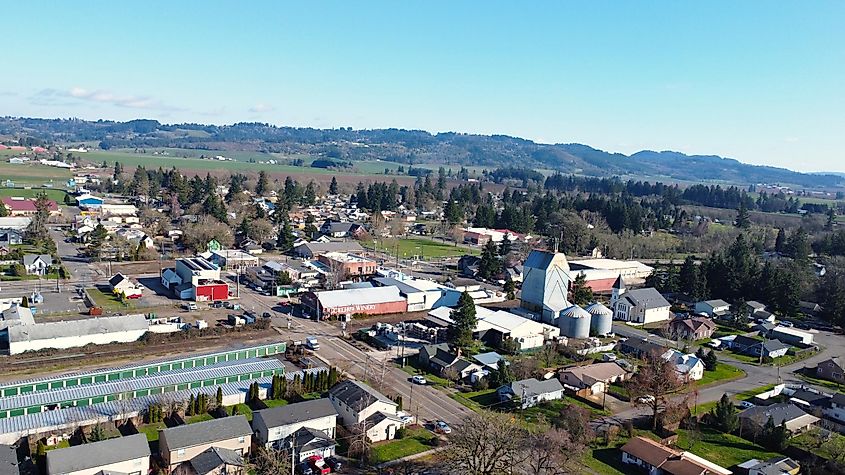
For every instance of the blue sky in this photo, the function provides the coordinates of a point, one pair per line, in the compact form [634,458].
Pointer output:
[761,82]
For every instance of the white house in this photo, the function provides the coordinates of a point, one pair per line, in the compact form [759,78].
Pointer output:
[37,264]
[358,404]
[712,308]
[120,284]
[689,367]
[129,454]
[638,306]
[274,427]
[530,392]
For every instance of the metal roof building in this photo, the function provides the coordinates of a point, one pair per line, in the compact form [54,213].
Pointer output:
[100,455]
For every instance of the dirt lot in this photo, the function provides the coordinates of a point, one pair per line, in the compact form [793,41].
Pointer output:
[135,268]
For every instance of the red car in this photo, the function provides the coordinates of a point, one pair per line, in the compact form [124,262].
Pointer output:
[319,465]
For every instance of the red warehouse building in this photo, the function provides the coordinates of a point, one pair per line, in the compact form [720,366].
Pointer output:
[347,302]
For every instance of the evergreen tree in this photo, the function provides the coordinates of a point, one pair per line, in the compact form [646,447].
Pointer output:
[219,397]
[831,218]
[503,373]
[582,294]
[490,265]
[333,186]
[780,240]
[509,289]
[743,220]
[505,247]
[263,184]
[463,323]
[285,238]
[710,361]
[724,415]
[333,377]
[189,411]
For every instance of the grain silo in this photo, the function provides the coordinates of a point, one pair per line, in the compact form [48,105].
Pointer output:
[575,322]
[601,323]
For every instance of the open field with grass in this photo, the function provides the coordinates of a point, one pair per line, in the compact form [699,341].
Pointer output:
[743,396]
[56,195]
[416,440]
[419,248]
[108,301]
[477,400]
[32,175]
[723,372]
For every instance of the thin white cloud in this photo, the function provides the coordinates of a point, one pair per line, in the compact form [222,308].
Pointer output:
[261,108]
[60,96]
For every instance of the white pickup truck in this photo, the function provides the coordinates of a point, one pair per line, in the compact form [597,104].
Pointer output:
[311,343]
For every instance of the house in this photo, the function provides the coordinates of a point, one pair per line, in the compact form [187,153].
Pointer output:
[763,328]
[37,264]
[489,360]
[655,458]
[213,245]
[530,392]
[214,461]
[439,358]
[10,237]
[809,398]
[832,369]
[274,427]
[754,347]
[712,308]
[180,444]
[357,403]
[125,455]
[810,308]
[753,419]
[639,348]
[792,336]
[122,285]
[309,250]
[337,229]
[595,377]
[348,266]
[692,328]
[836,408]
[753,307]
[638,306]
[774,466]
[468,265]
[688,366]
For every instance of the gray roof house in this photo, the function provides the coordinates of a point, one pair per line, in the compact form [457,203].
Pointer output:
[273,426]
[37,264]
[130,454]
[356,402]
[796,419]
[439,357]
[8,460]
[530,392]
[214,460]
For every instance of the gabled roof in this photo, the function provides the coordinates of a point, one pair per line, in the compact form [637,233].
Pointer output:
[98,454]
[780,412]
[207,432]
[439,354]
[490,358]
[30,259]
[214,457]
[296,413]
[598,371]
[716,303]
[642,346]
[836,360]
[647,298]
[307,439]
[619,284]
[117,279]
[649,451]
[357,395]
[534,387]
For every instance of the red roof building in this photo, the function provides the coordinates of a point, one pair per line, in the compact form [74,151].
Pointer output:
[18,206]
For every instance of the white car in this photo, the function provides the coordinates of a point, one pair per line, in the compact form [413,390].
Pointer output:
[648,399]
[417,379]
[442,427]
[745,404]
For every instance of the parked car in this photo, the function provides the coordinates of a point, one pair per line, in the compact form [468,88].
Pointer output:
[648,399]
[335,464]
[304,469]
[216,304]
[442,427]
[319,465]
[786,323]
[311,343]
[191,307]
[745,404]
[418,379]
[266,315]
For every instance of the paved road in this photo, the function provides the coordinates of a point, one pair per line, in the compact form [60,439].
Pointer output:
[427,403]
[79,268]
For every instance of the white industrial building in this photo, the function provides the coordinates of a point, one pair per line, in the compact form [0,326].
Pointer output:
[18,339]
[421,294]
[792,336]
[631,271]
[545,284]
[494,326]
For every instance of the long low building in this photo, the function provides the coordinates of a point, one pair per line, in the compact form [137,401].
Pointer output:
[72,333]
[631,271]
[495,326]
[347,302]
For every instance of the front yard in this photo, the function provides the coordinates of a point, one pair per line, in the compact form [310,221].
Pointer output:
[723,372]
[415,440]
[109,301]
[477,400]
[723,449]
[831,447]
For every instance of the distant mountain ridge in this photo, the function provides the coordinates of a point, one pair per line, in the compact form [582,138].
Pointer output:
[413,147]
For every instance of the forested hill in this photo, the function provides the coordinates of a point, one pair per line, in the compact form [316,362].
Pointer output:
[408,146]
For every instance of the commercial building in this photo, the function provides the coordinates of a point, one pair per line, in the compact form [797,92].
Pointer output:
[15,223]
[348,266]
[18,206]
[421,294]
[631,271]
[481,236]
[195,278]
[180,444]
[347,302]
[89,202]
[117,210]
[72,333]
[124,455]
[310,250]
[233,259]
[545,284]
[494,327]
[792,336]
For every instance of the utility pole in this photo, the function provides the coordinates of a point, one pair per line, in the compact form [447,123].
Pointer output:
[292,456]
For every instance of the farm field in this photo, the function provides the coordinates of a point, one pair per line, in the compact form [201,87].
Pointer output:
[32,175]
[56,195]
[422,248]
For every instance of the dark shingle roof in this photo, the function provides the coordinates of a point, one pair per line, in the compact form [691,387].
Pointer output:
[299,412]
[214,457]
[97,454]
[306,439]
[191,435]
[780,412]
[647,298]
[357,395]
[642,346]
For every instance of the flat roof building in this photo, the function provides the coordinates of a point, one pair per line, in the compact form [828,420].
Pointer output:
[347,302]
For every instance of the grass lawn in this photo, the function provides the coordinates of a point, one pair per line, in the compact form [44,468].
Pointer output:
[31,174]
[477,400]
[743,396]
[606,460]
[821,382]
[827,448]
[744,358]
[108,301]
[274,402]
[56,195]
[151,430]
[723,372]
[789,359]
[61,445]
[419,248]
[198,418]
[723,449]
[243,410]
[411,367]
[550,410]
[415,441]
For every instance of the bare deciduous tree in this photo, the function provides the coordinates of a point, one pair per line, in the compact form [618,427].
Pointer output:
[655,381]
[268,462]
[486,443]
